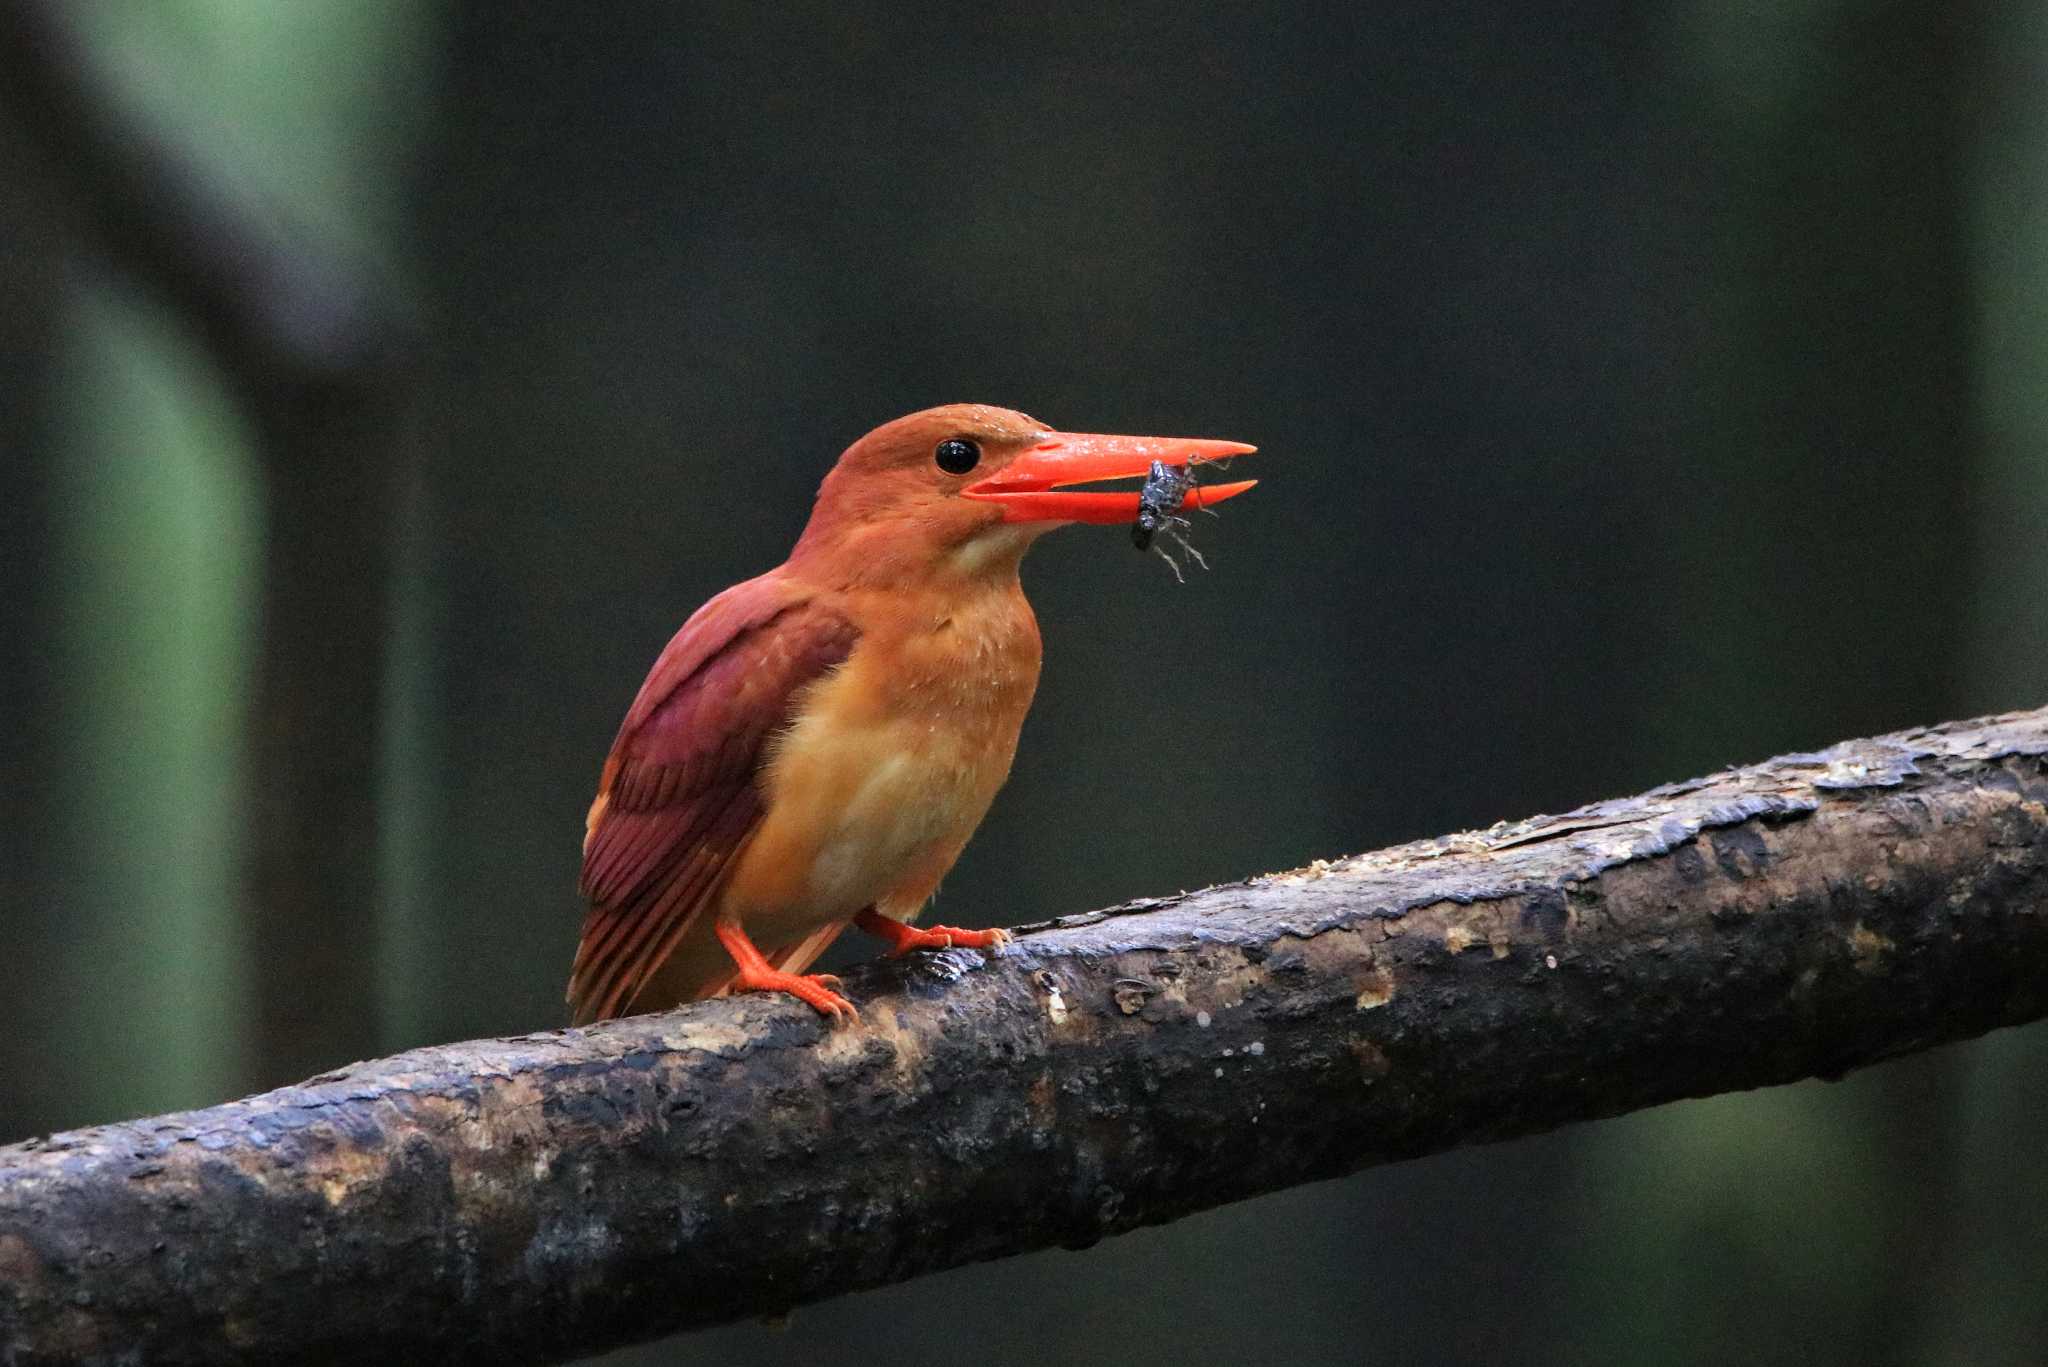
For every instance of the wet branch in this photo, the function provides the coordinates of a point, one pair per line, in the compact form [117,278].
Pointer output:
[530,1199]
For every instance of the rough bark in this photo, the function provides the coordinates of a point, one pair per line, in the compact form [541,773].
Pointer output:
[529,1199]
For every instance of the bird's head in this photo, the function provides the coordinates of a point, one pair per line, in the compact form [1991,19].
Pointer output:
[969,487]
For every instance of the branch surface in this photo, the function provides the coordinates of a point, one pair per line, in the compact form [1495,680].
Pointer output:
[530,1199]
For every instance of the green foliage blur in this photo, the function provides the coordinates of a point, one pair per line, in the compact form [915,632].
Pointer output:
[1640,387]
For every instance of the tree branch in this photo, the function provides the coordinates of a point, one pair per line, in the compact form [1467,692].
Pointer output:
[527,1199]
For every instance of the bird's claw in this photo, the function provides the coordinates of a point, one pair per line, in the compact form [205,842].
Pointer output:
[903,938]
[947,937]
[813,989]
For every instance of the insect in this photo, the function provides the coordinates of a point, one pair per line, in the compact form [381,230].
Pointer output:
[1159,502]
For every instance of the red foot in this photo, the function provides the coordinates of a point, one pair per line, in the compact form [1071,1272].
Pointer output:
[756,975]
[902,938]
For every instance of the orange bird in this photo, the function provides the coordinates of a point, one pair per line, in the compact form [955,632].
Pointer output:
[814,747]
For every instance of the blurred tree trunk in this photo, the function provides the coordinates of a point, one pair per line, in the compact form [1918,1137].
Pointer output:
[1989,1304]
[28,324]
[1900,349]
[311,343]
[330,459]
[1825,490]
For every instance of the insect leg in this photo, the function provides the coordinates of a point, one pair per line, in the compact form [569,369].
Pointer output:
[1174,530]
[1171,563]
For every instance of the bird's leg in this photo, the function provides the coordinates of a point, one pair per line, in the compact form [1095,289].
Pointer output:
[757,975]
[904,938]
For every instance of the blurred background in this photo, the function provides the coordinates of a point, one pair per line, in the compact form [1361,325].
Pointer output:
[1642,387]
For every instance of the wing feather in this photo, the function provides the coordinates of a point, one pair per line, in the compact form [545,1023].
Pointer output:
[680,791]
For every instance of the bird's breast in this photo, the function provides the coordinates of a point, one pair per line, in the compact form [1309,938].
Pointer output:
[893,759]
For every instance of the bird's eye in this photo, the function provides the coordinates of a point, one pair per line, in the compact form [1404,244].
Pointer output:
[957,455]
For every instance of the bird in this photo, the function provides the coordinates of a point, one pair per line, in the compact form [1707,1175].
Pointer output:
[815,746]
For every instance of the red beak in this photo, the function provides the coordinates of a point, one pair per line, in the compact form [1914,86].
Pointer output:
[1032,488]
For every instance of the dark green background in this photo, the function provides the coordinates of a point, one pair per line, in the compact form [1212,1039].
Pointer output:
[1641,388]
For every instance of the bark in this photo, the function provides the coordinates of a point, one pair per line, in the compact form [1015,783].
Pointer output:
[529,1199]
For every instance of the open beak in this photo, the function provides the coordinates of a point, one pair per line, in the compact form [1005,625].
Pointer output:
[1033,487]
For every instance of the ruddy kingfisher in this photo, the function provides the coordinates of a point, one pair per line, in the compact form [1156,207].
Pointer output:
[815,746]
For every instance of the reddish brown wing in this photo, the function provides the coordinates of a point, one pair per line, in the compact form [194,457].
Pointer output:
[679,793]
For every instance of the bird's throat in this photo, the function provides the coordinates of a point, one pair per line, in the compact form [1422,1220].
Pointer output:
[995,550]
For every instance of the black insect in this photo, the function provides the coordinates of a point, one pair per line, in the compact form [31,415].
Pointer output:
[1159,503]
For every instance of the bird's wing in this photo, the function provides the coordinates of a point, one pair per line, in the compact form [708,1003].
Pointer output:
[680,791]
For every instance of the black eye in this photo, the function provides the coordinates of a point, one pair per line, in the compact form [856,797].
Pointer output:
[957,455]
